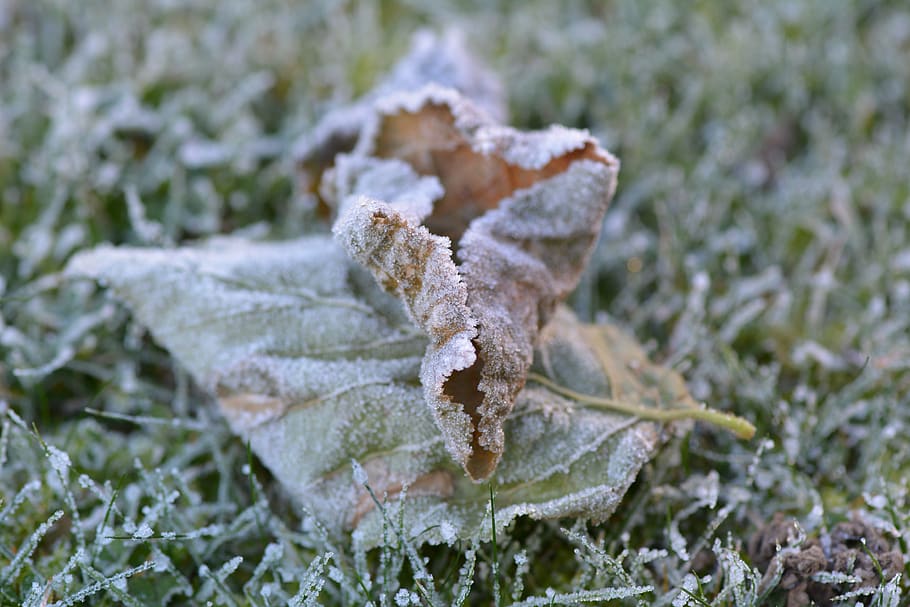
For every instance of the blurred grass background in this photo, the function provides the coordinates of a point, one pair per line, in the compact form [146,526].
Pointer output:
[758,243]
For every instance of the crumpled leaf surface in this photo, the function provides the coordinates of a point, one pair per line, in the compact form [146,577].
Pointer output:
[483,238]
[441,59]
[316,366]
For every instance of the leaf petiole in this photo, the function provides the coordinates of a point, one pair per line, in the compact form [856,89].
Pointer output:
[739,426]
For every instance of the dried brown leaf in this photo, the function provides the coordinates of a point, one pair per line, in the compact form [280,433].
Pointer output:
[521,210]
[315,365]
[443,59]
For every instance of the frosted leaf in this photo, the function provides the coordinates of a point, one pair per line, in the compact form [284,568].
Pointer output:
[316,367]
[443,59]
[522,211]
[437,301]
[265,326]
[390,180]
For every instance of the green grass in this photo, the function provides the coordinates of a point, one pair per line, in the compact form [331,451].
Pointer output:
[759,243]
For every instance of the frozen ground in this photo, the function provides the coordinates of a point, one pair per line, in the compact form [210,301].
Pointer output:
[759,243]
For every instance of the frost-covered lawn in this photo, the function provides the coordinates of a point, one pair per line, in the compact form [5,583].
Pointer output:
[759,244]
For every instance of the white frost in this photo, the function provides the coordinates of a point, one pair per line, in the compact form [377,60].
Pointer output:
[143,532]
[448,532]
[360,475]
[59,460]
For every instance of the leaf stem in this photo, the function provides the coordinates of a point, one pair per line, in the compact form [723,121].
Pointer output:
[739,426]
